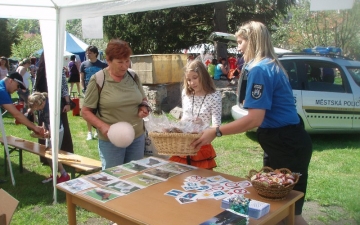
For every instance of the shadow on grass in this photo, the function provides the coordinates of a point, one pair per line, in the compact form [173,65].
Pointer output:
[28,189]
[322,142]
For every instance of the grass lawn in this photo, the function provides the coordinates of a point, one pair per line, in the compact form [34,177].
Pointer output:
[333,175]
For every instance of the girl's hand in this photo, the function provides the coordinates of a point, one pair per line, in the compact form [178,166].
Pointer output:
[143,111]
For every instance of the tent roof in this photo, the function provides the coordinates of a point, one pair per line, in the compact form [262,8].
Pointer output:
[77,9]
[74,44]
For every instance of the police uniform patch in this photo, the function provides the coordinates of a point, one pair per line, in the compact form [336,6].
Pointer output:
[256,91]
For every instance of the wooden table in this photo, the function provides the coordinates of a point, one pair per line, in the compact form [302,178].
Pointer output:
[151,206]
[83,165]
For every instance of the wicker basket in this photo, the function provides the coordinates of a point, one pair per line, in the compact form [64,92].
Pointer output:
[275,192]
[174,143]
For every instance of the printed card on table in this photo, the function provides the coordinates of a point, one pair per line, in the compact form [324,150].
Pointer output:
[76,185]
[245,184]
[124,187]
[102,178]
[118,171]
[219,195]
[193,178]
[227,217]
[185,200]
[231,184]
[133,166]
[151,161]
[144,180]
[174,193]
[103,194]
[188,195]
[177,167]
[160,173]
[216,179]
[205,195]
[238,191]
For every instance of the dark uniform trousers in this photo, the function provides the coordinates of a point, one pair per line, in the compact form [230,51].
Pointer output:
[288,147]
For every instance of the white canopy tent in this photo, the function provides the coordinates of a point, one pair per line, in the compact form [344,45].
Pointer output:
[53,15]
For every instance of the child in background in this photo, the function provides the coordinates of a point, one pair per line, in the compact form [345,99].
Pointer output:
[39,102]
[211,68]
[201,104]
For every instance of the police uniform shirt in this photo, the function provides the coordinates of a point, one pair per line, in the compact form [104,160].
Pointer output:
[269,88]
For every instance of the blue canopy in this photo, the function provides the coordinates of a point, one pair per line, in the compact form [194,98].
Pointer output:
[75,45]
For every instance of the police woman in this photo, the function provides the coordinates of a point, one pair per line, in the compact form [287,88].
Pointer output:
[271,108]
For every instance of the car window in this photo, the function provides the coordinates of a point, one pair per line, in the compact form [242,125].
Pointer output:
[355,74]
[324,77]
[292,71]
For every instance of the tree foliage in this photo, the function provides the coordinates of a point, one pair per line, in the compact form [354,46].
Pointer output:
[174,29]
[7,38]
[306,29]
[27,46]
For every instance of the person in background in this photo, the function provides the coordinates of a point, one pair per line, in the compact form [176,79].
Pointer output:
[232,62]
[41,86]
[4,67]
[271,108]
[23,71]
[87,69]
[211,68]
[122,99]
[202,104]
[221,69]
[39,102]
[74,75]
[32,69]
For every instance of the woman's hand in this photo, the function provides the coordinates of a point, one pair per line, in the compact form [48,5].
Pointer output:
[207,137]
[104,129]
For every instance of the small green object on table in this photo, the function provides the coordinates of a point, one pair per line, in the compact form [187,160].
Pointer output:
[240,204]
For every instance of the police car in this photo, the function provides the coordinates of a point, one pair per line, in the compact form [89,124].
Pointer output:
[326,88]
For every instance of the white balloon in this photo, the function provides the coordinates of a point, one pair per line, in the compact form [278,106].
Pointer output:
[121,134]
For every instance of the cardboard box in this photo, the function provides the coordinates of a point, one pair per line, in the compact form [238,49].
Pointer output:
[7,210]
[159,68]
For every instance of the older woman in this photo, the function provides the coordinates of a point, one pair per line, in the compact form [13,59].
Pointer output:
[121,98]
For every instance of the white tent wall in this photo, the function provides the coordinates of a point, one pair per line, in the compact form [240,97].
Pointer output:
[51,30]
[53,15]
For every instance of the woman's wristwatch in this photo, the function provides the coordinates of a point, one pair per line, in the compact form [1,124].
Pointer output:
[218,132]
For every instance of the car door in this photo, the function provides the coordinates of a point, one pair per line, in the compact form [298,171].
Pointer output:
[326,100]
[354,72]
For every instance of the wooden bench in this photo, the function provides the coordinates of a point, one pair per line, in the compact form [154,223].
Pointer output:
[76,163]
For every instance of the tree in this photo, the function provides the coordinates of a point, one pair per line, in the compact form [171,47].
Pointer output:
[171,30]
[306,29]
[27,46]
[7,38]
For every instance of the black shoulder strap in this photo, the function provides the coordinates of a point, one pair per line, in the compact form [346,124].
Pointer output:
[103,82]
[99,91]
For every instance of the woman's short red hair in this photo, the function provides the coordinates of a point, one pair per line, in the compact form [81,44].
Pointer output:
[117,49]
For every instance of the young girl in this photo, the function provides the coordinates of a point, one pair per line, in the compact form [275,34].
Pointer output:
[39,102]
[201,103]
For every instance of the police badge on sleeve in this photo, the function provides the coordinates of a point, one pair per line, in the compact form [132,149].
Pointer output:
[257,90]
